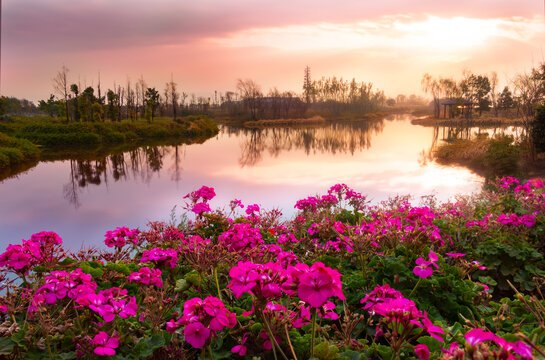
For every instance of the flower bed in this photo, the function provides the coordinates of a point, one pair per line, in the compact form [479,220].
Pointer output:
[342,280]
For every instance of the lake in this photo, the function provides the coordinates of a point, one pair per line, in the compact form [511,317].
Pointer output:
[81,199]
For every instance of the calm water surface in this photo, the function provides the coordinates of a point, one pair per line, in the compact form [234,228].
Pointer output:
[82,199]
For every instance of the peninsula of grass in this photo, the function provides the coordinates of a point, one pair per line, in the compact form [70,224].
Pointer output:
[24,139]
[487,156]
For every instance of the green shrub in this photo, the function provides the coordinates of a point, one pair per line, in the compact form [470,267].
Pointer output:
[502,156]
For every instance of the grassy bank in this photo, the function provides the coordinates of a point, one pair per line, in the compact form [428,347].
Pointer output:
[286,122]
[14,151]
[484,121]
[24,139]
[486,156]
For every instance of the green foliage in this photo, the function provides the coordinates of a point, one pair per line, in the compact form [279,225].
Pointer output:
[502,157]
[325,351]
[537,130]
[15,151]
[515,261]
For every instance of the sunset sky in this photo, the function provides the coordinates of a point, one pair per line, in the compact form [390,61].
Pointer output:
[207,44]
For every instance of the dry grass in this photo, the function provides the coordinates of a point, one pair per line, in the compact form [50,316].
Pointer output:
[483,121]
[462,151]
[286,122]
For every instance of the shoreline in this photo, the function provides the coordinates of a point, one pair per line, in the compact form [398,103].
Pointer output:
[481,122]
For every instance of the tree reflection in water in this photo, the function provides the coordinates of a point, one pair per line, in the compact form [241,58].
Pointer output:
[141,163]
[334,138]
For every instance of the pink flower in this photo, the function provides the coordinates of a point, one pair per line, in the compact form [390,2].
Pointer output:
[205,192]
[455,255]
[241,349]
[318,284]
[160,256]
[536,183]
[106,344]
[235,203]
[422,269]
[120,236]
[477,336]
[196,334]
[252,208]
[200,208]
[147,276]
[244,278]
[521,348]
[422,351]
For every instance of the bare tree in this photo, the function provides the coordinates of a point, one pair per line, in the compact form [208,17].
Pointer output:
[431,85]
[130,100]
[172,94]
[251,94]
[60,84]
[493,95]
[528,90]
[141,86]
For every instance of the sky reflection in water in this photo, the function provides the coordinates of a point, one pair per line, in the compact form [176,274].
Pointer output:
[81,200]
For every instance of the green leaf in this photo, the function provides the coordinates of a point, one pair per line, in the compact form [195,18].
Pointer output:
[6,346]
[181,285]
[351,355]
[487,280]
[432,343]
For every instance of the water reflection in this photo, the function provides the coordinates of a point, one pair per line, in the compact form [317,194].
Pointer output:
[334,138]
[141,163]
[346,138]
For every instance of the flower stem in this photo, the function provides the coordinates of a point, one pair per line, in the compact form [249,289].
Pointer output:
[272,338]
[217,282]
[312,339]
[49,347]
[417,283]
[210,351]
[289,342]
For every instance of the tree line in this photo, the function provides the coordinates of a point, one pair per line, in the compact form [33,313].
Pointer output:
[137,100]
[479,92]
[339,95]
[131,101]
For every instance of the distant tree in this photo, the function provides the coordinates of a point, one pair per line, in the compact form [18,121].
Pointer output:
[141,93]
[493,94]
[172,94]
[97,112]
[431,86]
[251,94]
[75,89]
[505,99]
[85,104]
[475,89]
[60,84]
[307,85]
[529,91]
[131,111]
[113,105]
[152,101]
[50,107]
[390,102]
[538,129]
[3,106]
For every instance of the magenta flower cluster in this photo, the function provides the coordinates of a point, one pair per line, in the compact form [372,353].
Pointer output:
[147,276]
[161,257]
[475,337]
[241,236]
[40,248]
[201,319]
[399,313]
[121,236]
